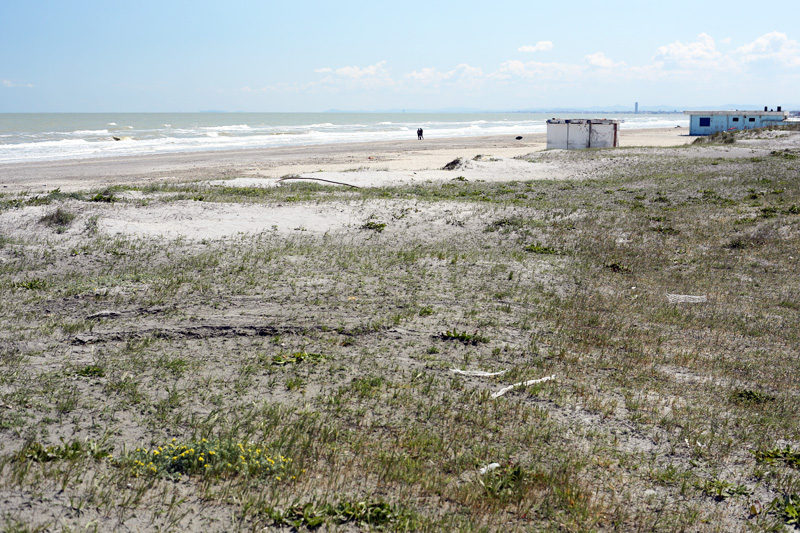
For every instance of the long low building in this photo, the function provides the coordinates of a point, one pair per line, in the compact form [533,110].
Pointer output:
[708,122]
[571,134]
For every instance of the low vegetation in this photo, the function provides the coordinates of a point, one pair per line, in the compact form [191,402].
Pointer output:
[295,381]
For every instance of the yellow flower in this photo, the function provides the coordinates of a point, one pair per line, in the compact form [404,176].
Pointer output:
[200,459]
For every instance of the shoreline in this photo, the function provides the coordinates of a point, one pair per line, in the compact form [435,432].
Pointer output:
[411,155]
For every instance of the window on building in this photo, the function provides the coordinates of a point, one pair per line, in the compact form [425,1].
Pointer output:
[752,119]
[736,119]
[705,122]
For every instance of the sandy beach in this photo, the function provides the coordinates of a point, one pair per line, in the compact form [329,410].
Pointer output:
[443,349]
[273,163]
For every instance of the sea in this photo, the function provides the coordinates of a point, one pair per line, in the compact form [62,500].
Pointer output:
[28,137]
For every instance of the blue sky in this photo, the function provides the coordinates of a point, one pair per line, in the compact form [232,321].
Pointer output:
[245,55]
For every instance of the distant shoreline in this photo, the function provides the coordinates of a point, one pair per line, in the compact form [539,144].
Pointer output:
[274,162]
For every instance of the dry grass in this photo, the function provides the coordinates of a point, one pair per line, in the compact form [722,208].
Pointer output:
[332,355]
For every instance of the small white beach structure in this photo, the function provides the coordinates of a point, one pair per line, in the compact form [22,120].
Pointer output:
[708,122]
[575,134]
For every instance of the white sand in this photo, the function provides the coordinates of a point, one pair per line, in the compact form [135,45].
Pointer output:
[362,165]
[76,175]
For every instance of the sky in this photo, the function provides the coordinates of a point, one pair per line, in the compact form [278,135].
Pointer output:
[288,56]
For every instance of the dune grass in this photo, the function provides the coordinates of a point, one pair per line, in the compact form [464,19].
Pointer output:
[312,373]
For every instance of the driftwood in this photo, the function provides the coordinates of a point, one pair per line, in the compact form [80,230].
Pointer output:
[318,179]
[478,373]
[521,384]
[488,468]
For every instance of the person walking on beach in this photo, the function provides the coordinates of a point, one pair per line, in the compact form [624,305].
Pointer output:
[419,134]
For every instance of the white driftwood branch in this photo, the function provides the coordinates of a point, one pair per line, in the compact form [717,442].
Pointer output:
[318,179]
[521,384]
[489,468]
[478,373]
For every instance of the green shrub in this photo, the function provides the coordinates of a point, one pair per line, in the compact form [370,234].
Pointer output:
[537,248]
[464,337]
[360,514]
[209,458]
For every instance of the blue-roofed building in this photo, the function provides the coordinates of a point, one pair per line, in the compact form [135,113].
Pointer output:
[708,122]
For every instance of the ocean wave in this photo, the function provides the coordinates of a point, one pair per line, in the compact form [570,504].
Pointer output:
[89,132]
[236,127]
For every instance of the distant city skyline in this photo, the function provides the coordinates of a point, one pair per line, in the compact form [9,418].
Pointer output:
[181,56]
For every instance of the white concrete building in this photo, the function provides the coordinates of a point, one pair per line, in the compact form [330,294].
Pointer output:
[572,134]
[708,122]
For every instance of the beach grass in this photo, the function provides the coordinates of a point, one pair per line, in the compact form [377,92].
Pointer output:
[302,380]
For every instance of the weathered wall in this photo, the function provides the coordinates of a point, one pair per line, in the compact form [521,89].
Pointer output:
[604,135]
[580,134]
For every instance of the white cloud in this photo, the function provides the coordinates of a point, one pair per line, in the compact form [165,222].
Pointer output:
[355,77]
[774,46]
[535,69]
[703,49]
[699,67]
[600,60]
[700,58]
[700,55]
[463,73]
[541,46]
[9,83]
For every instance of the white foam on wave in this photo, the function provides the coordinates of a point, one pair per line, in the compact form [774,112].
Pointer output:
[89,132]
[235,127]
